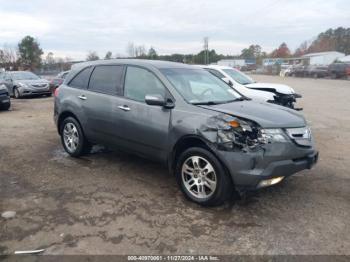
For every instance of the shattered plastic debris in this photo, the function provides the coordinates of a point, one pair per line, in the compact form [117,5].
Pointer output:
[29,251]
[218,131]
[8,214]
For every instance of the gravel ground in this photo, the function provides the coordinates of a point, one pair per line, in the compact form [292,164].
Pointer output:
[114,203]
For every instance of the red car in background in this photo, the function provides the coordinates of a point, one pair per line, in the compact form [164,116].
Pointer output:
[58,80]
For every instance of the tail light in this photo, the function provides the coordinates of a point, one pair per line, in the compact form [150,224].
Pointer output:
[348,70]
[56,92]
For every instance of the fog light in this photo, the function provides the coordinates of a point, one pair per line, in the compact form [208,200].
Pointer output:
[270,182]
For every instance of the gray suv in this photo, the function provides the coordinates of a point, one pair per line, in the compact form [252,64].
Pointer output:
[212,138]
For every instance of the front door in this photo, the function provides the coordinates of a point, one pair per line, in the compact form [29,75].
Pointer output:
[144,128]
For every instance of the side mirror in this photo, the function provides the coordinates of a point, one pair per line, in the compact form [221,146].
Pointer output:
[158,100]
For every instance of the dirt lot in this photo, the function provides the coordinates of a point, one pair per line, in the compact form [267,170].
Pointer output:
[113,203]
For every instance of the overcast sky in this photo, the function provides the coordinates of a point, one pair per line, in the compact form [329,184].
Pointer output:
[72,28]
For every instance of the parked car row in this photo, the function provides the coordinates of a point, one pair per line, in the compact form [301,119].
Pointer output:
[213,138]
[335,70]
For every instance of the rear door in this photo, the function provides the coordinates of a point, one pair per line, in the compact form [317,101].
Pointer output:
[144,127]
[101,103]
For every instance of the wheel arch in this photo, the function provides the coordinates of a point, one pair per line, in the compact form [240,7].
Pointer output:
[187,142]
[63,116]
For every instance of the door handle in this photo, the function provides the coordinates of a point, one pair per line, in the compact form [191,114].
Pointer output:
[125,108]
[82,97]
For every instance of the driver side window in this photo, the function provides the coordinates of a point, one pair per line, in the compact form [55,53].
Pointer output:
[140,82]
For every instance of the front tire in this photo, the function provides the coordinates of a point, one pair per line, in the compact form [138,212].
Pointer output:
[73,138]
[202,178]
[16,93]
[6,106]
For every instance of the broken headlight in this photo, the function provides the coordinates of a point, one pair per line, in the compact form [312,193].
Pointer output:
[230,133]
[267,136]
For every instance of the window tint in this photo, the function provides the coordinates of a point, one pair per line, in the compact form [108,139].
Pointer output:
[81,80]
[215,73]
[106,79]
[140,82]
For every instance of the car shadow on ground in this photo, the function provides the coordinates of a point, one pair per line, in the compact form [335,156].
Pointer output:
[146,170]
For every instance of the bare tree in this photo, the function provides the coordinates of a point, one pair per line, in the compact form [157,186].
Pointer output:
[92,56]
[140,51]
[130,49]
[8,57]
[49,61]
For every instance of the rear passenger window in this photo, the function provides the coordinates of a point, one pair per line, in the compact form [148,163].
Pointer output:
[107,79]
[81,80]
[141,82]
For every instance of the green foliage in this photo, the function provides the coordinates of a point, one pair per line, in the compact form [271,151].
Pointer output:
[252,52]
[29,53]
[152,54]
[108,55]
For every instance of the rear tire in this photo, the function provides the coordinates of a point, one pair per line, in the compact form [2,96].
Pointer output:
[73,138]
[205,183]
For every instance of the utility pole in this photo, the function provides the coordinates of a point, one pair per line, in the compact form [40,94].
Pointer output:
[206,50]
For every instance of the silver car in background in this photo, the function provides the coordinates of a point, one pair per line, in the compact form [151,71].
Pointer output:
[24,83]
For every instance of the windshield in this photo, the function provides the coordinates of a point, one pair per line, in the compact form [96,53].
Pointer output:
[198,86]
[239,76]
[24,76]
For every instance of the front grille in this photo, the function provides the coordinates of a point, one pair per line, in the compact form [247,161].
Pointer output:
[39,85]
[301,135]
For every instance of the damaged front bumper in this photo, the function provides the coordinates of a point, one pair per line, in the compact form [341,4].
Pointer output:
[287,100]
[249,169]
[253,154]
[30,91]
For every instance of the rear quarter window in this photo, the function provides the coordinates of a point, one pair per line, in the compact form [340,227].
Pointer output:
[81,80]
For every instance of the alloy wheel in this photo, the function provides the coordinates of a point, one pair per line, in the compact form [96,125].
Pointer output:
[199,177]
[71,137]
[16,93]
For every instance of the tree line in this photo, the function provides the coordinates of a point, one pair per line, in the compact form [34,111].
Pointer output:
[28,53]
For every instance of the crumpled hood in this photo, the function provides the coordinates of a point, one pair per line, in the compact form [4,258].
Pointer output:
[266,115]
[283,89]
